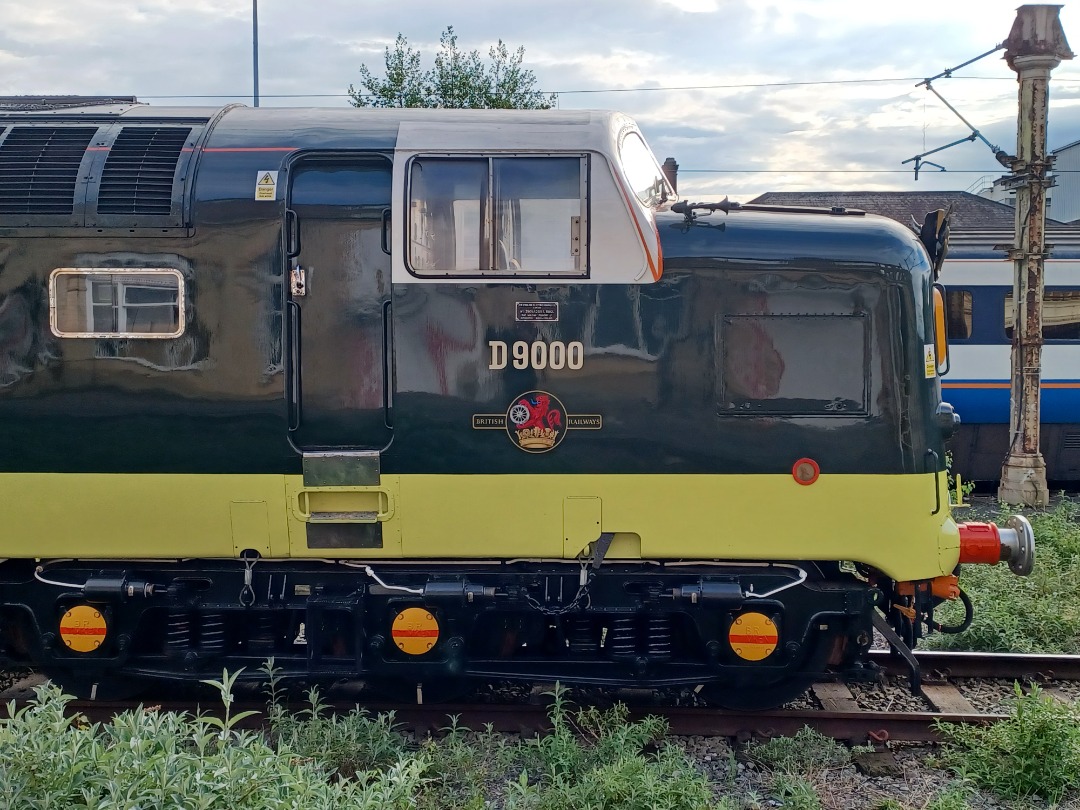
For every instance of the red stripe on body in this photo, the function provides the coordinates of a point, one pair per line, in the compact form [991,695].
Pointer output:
[751,639]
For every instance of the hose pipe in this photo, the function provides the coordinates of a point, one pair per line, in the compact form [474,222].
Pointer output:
[969,614]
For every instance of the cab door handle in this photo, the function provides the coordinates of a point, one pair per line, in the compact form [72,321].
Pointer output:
[292,368]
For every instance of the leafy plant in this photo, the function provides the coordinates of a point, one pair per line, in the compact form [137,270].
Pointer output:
[1035,752]
[966,487]
[953,797]
[667,781]
[347,745]
[170,761]
[225,688]
[808,751]
[796,792]
[458,79]
[596,760]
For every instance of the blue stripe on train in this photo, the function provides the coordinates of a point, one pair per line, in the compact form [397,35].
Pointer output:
[980,406]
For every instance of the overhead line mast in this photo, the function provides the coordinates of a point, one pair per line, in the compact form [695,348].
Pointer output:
[1036,45]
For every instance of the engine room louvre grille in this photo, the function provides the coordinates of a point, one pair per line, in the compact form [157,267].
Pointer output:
[1072,441]
[138,174]
[39,169]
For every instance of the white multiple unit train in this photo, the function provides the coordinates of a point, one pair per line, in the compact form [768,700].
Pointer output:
[980,306]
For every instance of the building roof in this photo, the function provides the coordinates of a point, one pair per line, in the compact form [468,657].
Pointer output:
[970,211]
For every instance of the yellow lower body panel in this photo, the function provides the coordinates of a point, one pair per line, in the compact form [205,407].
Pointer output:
[888,522]
[141,516]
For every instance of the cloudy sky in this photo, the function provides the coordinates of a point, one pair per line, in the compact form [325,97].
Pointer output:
[748,95]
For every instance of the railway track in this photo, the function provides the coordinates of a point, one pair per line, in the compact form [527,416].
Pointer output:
[947,664]
[841,715]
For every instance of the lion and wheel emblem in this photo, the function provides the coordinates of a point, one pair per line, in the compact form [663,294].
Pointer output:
[536,421]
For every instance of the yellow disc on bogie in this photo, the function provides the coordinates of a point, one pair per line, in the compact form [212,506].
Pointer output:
[83,629]
[753,636]
[415,631]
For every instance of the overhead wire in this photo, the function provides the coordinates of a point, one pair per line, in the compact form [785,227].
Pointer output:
[676,88]
[647,89]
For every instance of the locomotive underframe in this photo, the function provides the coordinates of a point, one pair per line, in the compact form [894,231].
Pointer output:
[619,624]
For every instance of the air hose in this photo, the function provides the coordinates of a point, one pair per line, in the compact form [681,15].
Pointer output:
[969,614]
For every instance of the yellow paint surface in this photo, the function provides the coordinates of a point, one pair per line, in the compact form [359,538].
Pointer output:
[884,521]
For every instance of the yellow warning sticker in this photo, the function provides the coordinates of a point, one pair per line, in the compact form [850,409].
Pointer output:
[266,186]
[929,361]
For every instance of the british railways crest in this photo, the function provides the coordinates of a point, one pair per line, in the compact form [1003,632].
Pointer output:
[536,421]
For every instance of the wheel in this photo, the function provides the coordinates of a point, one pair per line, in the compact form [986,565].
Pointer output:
[519,414]
[756,698]
[106,687]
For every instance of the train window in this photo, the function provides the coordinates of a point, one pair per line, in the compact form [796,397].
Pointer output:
[1060,314]
[958,314]
[116,302]
[497,216]
[642,171]
[772,364]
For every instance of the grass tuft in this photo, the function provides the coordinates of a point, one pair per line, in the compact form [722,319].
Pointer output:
[1036,752]
[170,761]
[805,753]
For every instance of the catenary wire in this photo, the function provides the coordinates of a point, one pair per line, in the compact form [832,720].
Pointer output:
[584,91]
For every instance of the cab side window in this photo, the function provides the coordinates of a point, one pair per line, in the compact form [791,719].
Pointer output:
[498,216]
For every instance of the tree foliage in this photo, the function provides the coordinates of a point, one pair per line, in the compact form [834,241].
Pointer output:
[458,79]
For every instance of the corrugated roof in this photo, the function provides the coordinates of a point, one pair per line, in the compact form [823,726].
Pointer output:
[970,211]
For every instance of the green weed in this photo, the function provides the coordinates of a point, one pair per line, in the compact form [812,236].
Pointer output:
[169,761]
[466,767]
[347,744]
[597,760]
[1036,752]
[966,487]
[806,752]
[795,792]
[954,797]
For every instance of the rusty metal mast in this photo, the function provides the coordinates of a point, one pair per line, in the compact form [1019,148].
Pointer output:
[1036,45]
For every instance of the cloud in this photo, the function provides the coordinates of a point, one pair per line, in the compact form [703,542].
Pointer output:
[827,121]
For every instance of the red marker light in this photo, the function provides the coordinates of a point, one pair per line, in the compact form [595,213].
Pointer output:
[805,471]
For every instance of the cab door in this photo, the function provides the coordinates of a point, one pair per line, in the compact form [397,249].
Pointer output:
[338,306]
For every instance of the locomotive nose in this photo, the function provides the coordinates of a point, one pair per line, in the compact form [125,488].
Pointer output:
[987,543]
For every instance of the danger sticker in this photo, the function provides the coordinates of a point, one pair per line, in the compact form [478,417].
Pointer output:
[266,186]
[929,361]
